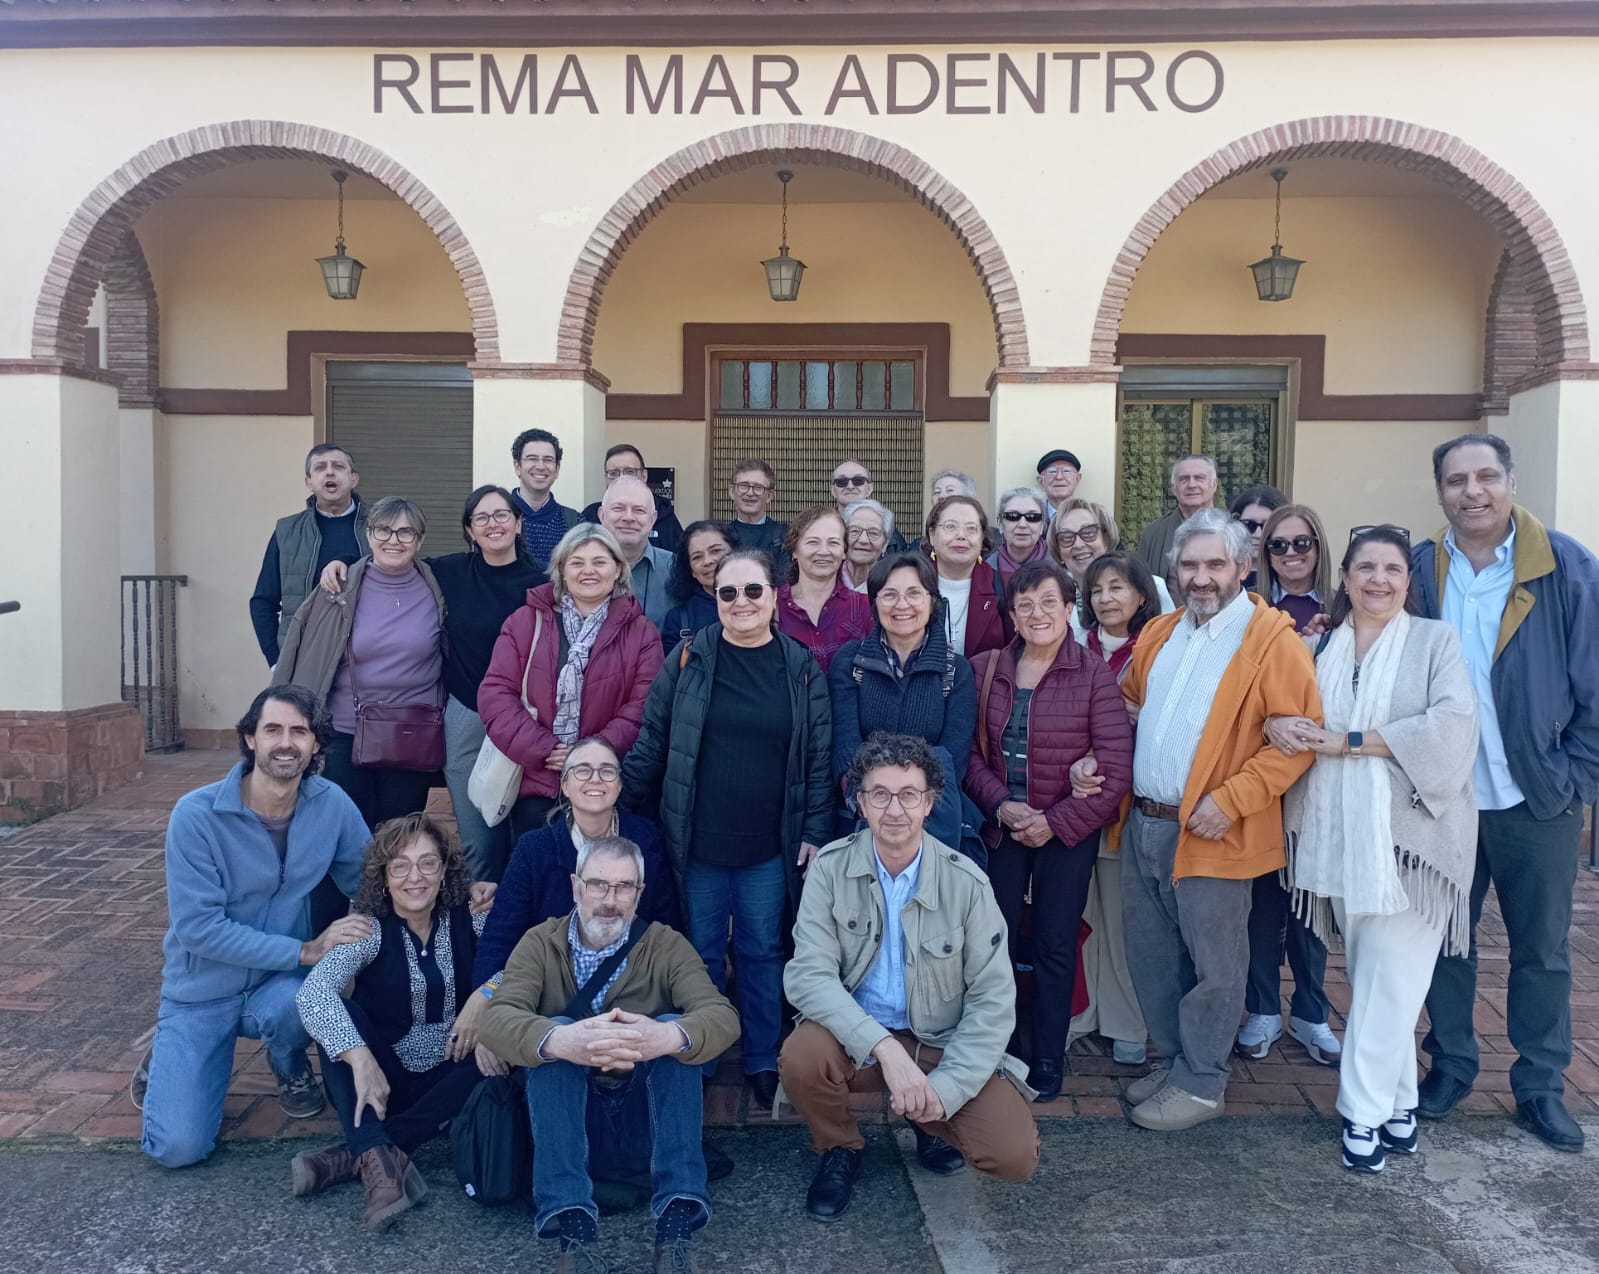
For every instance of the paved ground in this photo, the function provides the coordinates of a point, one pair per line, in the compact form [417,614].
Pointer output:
[1237,1196]
[82,914]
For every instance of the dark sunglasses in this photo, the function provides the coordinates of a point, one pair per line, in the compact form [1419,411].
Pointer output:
[1356,532]
[1016,515]
[729,592]
[851,480]
[1278,547]
[1252,526]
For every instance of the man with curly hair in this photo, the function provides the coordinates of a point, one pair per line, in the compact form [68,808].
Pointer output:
[243,856]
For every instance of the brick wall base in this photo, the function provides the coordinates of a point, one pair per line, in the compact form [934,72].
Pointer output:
[210,740]
[54,761]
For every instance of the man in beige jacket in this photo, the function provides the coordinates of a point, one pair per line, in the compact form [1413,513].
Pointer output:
[902,978]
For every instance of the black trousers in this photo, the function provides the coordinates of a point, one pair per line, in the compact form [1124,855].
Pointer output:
[421,1103]
[1272,927]
[528,815]
[1060,876]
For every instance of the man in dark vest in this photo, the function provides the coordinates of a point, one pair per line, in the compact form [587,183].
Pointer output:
[331,527]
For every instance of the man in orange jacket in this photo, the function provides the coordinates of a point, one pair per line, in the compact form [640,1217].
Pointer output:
[1206,815]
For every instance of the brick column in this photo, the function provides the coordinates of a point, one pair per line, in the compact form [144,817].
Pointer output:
[1036,409]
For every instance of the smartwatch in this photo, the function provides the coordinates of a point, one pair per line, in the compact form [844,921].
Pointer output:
[1355,741]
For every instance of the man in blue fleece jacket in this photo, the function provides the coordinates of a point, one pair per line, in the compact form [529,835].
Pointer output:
[243,856]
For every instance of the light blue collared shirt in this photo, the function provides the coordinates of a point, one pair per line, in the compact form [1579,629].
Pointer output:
[882,992]
[1474,606]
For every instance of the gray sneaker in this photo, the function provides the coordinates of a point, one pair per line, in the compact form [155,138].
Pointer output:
[1141,1090]
[1173,1110]
[300,1095]
[139,1085]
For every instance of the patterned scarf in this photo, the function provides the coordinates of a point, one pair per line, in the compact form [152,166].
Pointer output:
[580,635]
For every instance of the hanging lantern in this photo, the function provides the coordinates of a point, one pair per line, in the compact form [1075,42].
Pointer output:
[1275,275]
[783,272]
[341,273]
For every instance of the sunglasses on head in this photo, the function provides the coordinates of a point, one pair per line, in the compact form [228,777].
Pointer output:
[1016,515]
[730,592]
[1277,546]
[1251,525]
[1355,532]
[851,480]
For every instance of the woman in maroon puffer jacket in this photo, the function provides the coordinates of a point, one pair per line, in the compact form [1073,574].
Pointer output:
[588,656]
[1044,704]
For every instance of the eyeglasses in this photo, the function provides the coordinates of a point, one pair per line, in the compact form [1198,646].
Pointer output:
[880,798]
[869,534]
[499,517]
[584,772]
[1016,515]
[1087,535]
[402,534]
[540,462]
[1278,547]
[751,488]
[1252,526]
[893,597]
[843,480]
[600,890]
[970,530]
[427,868]
[1046,606]
[729,592]
[623,471]
[1356,532]
[1056,471]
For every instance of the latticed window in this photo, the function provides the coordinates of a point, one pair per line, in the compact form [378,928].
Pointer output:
[804,415]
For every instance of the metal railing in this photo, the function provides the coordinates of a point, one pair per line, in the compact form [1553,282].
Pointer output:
[150,656]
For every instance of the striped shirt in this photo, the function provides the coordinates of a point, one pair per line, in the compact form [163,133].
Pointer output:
[1177,696]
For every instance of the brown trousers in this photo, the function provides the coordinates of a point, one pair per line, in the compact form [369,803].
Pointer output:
[995,1130]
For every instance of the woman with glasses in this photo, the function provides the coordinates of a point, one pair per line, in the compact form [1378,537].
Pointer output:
[904,677]
[868,528]
[399,1052]
[1080,532]
[1023,516]
[1294,578]
[974,600]
[1253,506]
[735,757]
[576,660]
[537,885]
[693,569]
[1382,829]
[817,607]
[378,641]
[1044,704]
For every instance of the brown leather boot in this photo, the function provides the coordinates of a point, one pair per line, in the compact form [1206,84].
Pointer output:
[315,1170]
[392,1184]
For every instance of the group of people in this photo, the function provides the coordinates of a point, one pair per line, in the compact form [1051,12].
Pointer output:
[848,766]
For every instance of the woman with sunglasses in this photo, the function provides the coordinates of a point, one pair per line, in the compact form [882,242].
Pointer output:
[974,599]
[1023,515]
[1294,578]
[1382,829]
[1252,506]
[575,661]
[735,758]
[1081,531]
[704,544]
[817,607]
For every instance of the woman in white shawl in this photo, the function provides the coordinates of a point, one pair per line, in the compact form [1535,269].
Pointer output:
[1382,829]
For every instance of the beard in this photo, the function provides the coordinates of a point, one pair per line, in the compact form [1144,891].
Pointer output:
[602,930]
[282,766]
[1204,605]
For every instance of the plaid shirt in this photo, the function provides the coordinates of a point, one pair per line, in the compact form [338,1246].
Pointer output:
[585,963]
[846,615]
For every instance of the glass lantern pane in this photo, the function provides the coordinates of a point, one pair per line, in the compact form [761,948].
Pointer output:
[902,385]
[760,386]
[816,386]
[788,386]
[874,386]
[732,383]
[844,375]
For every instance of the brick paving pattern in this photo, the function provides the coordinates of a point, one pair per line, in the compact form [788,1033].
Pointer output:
[82,914]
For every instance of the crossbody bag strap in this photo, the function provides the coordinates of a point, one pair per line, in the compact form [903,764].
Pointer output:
[527,669]
[982,705]
[582,1004]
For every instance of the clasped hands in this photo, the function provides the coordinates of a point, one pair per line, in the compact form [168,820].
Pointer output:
[1293,735]
[615,1040]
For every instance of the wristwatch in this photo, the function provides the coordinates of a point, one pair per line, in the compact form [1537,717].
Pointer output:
[1354,742]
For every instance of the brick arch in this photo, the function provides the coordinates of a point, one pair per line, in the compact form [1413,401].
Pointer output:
[97,228]
[1510,337]
[1533,246]
[133,325]
[776,144]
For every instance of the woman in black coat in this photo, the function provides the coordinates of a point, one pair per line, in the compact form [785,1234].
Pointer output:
[740,776]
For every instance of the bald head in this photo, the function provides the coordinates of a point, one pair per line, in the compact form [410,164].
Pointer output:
[628,512]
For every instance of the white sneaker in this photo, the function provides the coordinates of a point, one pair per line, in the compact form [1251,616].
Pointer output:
[1363,1152]
[1318,1039]
[1399,1133]
[1260,1032]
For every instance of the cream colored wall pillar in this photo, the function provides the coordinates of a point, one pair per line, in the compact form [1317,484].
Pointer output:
[137,486]
[572,409]
[1550,430]
[1028,419]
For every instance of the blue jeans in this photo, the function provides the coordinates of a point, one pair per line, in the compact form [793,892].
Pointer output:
[192,1060]
[653,1115]
[755,898]
[1272,928]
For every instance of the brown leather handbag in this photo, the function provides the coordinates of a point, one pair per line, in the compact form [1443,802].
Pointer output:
[396,736]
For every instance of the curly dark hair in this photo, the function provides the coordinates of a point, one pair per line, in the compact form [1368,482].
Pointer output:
[680,584]
[908,750]
[372,895]
[309,706]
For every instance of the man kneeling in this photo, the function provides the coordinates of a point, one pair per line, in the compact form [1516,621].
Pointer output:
[915,996]
[612,1018]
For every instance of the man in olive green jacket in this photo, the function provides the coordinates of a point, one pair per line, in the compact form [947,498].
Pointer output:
[902,979]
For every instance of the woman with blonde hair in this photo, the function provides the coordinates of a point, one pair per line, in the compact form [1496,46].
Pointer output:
[1082,531]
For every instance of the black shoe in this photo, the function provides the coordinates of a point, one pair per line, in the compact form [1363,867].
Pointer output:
[834,1184]
[1046,1077]
[1438,1094]
[937,1155]
[1546,1118]
[300,1095]
[763,1088]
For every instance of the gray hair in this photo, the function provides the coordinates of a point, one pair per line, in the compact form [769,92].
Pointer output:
[383,513]
[1023,493]
[1235,535]
[610,847]
[581,534]
[968,483]
[1195,455]
[871,506]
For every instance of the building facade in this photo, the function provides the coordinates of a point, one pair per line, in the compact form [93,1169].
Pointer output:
[1024,226]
